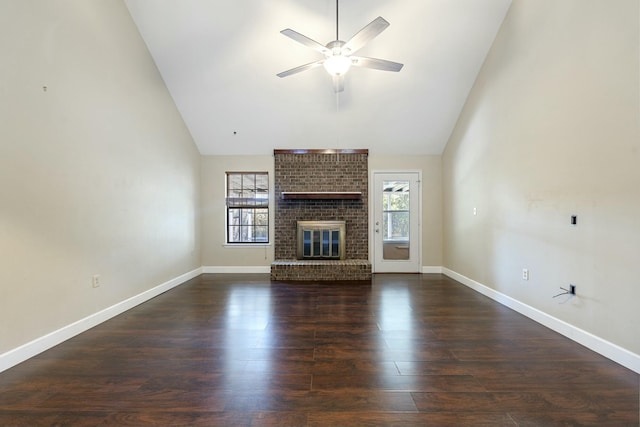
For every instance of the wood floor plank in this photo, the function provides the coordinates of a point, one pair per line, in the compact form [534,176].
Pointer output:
[337,368]
[279,419]
[439,383]
[608,419]
[242,350]
[337,352]
[116,418]
[368,419]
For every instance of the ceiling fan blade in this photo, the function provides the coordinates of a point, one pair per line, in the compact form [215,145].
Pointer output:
[301,68]
[366,34]
[305,41]
[377,64]
[338,83]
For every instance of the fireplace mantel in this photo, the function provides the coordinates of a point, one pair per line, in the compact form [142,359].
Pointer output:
[321,195]
[321,151]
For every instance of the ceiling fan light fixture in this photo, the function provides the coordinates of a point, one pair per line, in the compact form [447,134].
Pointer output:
[338,54]
[337,65]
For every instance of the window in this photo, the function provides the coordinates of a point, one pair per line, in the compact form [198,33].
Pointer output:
[395,219]
[247,207]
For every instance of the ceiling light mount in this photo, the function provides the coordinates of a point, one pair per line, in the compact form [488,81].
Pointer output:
[338,63]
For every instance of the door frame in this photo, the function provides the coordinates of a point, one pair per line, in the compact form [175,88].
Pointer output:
[372,207]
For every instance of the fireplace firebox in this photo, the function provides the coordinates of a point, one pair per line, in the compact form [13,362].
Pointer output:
[321,239]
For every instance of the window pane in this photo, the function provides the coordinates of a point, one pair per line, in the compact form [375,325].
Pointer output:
[395,196]
[262,183]
[248,181]
[325,243]
[261,234]
[400,201]
[248,207]
[234,217]
[385,226]
[316,243]
[335,240]
[396,225]
[234,193]
[234,234]
[247,216]
[306,245]
[395,219]
[234,181]
[244,234]
[262,216]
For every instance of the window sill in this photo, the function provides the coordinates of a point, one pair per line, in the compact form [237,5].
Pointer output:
[246,245]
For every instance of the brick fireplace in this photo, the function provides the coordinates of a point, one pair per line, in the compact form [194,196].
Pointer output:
[321,185]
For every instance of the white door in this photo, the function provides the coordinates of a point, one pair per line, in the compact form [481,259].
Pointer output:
[396,222]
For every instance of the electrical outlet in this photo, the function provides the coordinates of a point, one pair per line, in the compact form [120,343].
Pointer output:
[525,274]
[95,280]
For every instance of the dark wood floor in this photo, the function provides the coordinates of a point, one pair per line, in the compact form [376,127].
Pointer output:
[239,350]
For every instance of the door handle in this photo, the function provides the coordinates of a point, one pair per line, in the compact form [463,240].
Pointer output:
[377,230]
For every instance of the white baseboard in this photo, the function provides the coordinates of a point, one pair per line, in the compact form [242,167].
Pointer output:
[609,350]
[37,346]
[612,351]
[237,269]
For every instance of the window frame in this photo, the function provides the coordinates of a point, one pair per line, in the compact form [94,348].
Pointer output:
[390,212]
[247,208]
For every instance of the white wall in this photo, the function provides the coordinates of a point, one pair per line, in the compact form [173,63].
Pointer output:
[98,174]
[551,129]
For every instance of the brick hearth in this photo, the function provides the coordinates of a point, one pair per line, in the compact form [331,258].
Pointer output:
[321,270]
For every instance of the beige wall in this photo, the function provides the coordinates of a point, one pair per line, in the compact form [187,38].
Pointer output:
[431,168]
[98,174]
[550,130]
[215,253]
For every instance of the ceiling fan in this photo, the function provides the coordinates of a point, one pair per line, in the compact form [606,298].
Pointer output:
[338,55]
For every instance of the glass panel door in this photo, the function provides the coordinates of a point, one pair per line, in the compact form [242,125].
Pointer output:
[396,228]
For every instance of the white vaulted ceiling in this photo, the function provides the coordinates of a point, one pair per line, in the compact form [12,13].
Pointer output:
[219,60]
